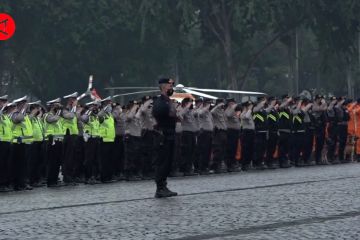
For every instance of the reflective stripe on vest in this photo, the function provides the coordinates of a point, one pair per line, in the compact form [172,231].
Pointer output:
[285,114]
[6,134]
[107,129]
[258,116]
[297,118]
[272,117]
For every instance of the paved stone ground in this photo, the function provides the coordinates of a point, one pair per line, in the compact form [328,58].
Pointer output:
[298,203]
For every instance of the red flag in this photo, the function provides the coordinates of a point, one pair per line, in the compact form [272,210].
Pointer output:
[95,95]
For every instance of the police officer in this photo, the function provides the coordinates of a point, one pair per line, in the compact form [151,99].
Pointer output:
[188,137]
[133,161]
[205,136]
[261,132]
[5,145]
[71,131]
[319,120]
[119,155]
[332,131]
[309,121]
[54,135]
[37,149]
[343,117]
[107,134]
[297,132]
[233,130]
[248,135]
[219,135]
[285,122]
[91,135]
[23,136]
[164,113]
[273,125]
[147,123]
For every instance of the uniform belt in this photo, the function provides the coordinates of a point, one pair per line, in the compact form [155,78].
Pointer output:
[285,130]
[299,131]
[262,131]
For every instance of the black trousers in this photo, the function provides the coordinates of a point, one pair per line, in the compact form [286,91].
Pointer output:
[79,168]
[69,161]
[298,145]
[284,147]
[5,164]
[247,146]
[165,159]
[260,147]
[54,157]
[148,153]
[342,136]
[231,147]
[271,147]
[106,160]
[119,155]
[37,162]
[91,158]
[204,146]
[319,142]
[219,144]
[188,144]
[308,144]
[332,141]
[133,160]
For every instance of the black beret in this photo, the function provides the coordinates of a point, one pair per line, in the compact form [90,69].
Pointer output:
[186,100]
[284,96]
[219,100]
[145,98]
[260,98]
[318,96]
[199,100]
[229,100]
[207,100]
[271,98]
[358,100]
[165,80]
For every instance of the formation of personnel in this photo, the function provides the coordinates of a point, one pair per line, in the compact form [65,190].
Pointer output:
[103,141]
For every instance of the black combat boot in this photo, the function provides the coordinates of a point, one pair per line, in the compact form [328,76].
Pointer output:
[164,192]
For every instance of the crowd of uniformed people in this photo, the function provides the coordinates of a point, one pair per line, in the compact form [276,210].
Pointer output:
[102,141]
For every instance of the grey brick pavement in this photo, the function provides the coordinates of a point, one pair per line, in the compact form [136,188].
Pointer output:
[301,203]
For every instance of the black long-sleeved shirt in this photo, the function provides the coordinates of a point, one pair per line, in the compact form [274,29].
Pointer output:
[164,113]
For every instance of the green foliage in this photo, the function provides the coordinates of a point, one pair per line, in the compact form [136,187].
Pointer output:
[204,43]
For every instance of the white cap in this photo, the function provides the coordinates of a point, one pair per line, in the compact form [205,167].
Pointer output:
[35,103]
[96,102]
[24,98]
[106,99]
[57,100]
[73,95]
[5,97]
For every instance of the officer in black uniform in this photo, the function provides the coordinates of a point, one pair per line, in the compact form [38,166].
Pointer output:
[284,131]
[261,132]
[273,125]
[319,121]
[343,117]
[164,113]
[332,131]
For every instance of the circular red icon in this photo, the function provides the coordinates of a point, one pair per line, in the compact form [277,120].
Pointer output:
[7,26]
